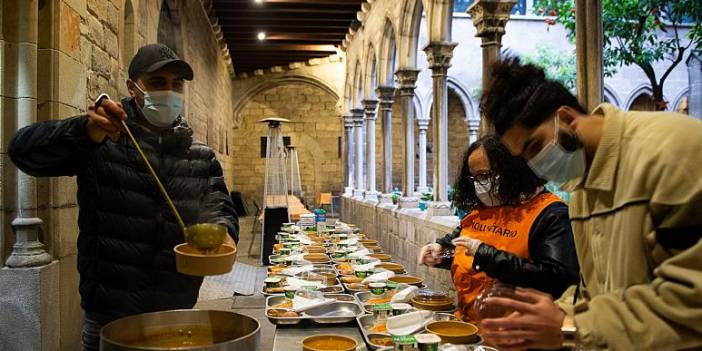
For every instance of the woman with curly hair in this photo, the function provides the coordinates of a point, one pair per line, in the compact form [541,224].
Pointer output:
[515,231]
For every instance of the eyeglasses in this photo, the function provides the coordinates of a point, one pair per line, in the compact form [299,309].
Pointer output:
[483,178]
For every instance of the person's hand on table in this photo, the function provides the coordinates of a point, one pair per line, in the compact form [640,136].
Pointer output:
[430,255]
[535,323]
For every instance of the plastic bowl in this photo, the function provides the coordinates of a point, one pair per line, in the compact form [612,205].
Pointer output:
[191,261]
[328,342]
[455,332]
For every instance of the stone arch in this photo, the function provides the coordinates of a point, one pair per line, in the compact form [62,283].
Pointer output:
[357,86]
[682,95]
[637,95]
[610,96]
[169,29]
[439,19]
[410,19]
[371,77]
[127,33]
[388,55]
[274,82]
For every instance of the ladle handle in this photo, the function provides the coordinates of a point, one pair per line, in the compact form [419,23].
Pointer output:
[155,176]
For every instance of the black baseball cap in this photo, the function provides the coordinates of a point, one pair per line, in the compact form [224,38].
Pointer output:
[152,57]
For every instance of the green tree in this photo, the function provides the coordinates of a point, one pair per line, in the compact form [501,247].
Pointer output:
[639,32]
[557,64]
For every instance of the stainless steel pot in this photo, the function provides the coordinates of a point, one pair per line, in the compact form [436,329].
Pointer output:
[182,330]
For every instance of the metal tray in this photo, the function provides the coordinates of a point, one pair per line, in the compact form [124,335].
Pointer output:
[342,311]
[337,289]
[365,322]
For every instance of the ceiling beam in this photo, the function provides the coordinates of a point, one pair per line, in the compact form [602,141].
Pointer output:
[303,2]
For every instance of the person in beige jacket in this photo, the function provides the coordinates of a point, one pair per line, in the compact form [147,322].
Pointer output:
[636,212]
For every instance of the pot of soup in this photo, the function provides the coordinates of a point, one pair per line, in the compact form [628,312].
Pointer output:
[182,330]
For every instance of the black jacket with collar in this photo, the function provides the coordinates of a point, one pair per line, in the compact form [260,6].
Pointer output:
[553,264]
[127,232]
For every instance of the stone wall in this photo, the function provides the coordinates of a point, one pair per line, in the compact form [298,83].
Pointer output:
[84,49]
[457,134]
[315,129]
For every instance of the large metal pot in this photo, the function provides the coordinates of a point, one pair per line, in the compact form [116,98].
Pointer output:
[182,330]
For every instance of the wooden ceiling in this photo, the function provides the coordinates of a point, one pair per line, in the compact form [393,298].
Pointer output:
[296,30]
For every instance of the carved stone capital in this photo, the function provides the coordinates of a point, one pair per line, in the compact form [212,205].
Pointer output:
[357,116]
[489,18]
[386,95]
[348,120]
[408,80]
[423,124]
[439,55]
[369,106]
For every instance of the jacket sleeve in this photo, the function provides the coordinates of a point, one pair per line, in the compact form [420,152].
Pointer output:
[52,148]
[666,311]
[445,242]
[217,204]
[553,264]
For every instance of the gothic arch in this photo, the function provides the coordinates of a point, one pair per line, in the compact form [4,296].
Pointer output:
[387,61]
[611,96]
[270,83]
[357,90]
[643,88]
[678,99]
[410,19]
[462,93]
[370,81]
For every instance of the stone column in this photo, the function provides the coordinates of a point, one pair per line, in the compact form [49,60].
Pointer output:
[408,79]
[27,251]
[588,52]
[369,108]
[349,151]
[29,284]
[473,129]
[489,18]
[423,125]
[694,72]
[439,55]
[359,189]
[386,95]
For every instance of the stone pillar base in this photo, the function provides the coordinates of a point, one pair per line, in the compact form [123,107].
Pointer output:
[408,202]
[386,199]
[30,315]
[372,196]
[348,192]
[358,194]
[437,209]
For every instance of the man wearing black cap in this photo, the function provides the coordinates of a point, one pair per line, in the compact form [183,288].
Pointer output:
[127,232]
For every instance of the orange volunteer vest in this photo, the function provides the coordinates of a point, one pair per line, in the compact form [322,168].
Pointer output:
[505,228]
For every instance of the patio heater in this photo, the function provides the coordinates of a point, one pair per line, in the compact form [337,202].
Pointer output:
[295,180]
[275,188]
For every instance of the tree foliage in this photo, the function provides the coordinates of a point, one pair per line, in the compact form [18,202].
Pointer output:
[639,32]
[557,64]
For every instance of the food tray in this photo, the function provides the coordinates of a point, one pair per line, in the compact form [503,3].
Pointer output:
[365,322]
[363,296]
[337,289]
[316,268]
[335,313]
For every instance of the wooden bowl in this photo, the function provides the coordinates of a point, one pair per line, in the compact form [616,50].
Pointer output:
[407,279]
[329,342]
[382,257]
[316,249]
[455,332]
[192,261]
[316,258]
[395,267]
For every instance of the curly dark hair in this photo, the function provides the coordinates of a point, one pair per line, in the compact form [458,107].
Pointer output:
[521,94]
[516,180]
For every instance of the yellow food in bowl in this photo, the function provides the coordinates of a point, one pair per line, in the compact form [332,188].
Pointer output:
[455,332]
[328,342]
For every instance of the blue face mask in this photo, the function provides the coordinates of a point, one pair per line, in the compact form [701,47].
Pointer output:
[161,107]
[556,164]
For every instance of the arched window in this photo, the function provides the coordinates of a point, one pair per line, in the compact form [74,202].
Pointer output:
[168,33]
[643,102]
[128,32]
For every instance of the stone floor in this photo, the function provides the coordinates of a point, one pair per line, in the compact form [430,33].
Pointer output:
[252,306]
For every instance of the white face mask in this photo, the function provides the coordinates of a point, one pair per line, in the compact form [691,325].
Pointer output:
[161,107]
[487,193]
[556,164]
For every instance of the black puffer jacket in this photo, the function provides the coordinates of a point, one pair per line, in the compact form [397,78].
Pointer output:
[127,232]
